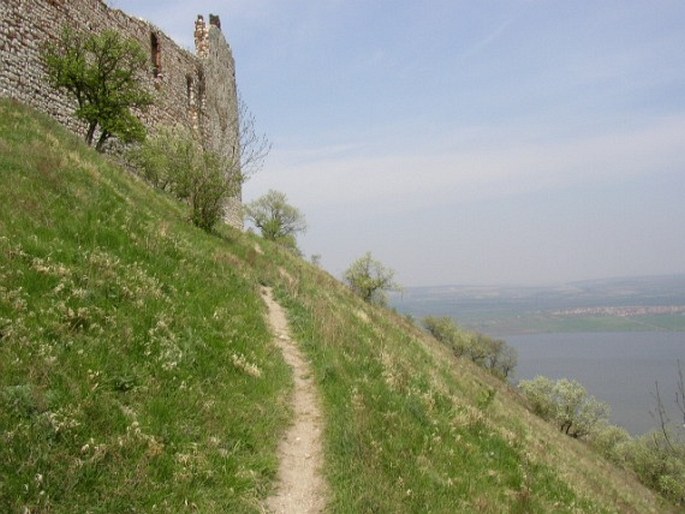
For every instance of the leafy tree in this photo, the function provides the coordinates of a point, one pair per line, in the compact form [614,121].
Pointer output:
[370,279]
[500,359]
[174,161]
[565,403]
[101,72]
[276,218]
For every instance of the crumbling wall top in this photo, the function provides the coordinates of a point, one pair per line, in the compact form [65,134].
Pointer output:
[201,37]
[214,20]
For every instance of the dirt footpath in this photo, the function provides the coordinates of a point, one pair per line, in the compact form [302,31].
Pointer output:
[301,487]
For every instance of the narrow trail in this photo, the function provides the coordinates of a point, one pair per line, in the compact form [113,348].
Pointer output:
[301,487]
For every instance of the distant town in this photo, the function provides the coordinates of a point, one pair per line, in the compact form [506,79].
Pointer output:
[622,312]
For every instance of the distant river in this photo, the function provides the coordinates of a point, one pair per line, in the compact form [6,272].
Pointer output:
[617,368]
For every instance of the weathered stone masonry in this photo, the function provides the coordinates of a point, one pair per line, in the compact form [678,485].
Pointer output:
[197,91]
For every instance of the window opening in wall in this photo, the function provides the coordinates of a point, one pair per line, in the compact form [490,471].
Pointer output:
[200,87]
[189,89]
[155,55]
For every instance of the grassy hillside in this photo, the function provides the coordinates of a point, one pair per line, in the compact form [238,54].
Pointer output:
[129,343]
[137,372]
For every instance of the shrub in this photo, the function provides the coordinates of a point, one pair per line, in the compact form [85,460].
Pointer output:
[660,464]
[494,355]
[445,330]
[370,279]
[611,441]
[174,161]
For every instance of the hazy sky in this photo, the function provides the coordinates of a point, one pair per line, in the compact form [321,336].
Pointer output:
[467,142]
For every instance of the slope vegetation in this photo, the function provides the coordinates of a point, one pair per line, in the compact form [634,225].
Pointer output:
[137,371]
[136,368]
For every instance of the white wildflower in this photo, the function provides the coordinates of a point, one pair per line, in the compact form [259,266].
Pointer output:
[241,363]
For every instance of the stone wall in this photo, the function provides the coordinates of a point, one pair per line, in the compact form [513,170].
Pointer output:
[197,91]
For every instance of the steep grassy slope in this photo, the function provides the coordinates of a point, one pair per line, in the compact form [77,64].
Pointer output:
[135,365]
[136,369]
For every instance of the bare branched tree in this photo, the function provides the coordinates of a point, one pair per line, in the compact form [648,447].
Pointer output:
[254,147]
[661,416]
[680,392]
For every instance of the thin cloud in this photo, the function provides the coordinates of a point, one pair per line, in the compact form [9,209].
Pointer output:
[486,41]
[336,176]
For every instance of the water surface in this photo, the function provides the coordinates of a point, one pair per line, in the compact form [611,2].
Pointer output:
[617,368]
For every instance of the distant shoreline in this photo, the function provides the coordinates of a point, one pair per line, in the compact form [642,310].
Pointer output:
[639,304]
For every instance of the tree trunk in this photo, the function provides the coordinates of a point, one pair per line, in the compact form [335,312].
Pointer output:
[566,427]
[101,141]
[91,133]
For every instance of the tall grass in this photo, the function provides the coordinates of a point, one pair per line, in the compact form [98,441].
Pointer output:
[136,370]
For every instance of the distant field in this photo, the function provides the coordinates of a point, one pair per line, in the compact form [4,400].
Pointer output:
[596,306]
[538,323]
[533,323]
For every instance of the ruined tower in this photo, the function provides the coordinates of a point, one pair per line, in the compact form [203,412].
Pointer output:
[197,90]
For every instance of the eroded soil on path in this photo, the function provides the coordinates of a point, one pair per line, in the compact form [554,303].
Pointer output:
[301,487]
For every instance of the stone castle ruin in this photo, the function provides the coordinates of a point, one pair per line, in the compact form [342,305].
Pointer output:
[197,90]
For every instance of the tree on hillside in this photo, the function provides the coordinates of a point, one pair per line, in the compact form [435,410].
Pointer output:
[101,72]
[253,147]
[503,358]
[276,219]
[370,279]
[565,403]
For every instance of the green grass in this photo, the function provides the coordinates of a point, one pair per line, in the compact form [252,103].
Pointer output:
[137,372]
[126,339]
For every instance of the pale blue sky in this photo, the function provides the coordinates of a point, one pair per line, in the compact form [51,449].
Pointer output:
[467,142]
